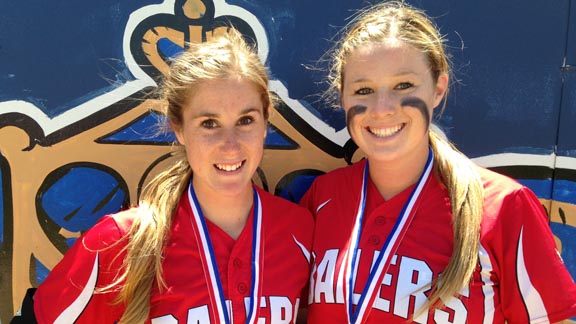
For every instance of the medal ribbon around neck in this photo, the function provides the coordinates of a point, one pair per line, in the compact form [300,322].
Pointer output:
[209,260]
[380,266]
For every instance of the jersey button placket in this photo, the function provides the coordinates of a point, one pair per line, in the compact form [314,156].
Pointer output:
[373,232]
[374,240]
[242,288]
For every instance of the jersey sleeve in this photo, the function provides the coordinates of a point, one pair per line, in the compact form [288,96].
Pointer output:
[68,294]
[535,284]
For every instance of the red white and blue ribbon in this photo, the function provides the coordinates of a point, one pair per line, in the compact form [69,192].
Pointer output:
[382,263]
[211,268]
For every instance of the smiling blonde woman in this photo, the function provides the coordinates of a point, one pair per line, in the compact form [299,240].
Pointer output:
[417,232]
[205,245]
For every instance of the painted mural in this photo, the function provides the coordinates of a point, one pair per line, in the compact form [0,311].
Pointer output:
[79,139]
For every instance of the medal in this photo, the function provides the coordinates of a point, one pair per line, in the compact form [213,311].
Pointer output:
[380,267]
[218,300]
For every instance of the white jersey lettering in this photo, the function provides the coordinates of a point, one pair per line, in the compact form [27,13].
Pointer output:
[296,308]
[459,311]
[280,310]
[412,282]
[166,319]
[312,281]
[325,277]
[262,305]
[198,315]
[413,275]
[381,303]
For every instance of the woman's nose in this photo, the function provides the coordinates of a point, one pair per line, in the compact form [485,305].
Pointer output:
[230,139]
[386,103]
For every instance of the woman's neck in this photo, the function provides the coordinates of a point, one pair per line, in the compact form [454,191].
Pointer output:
[228,212]
[393,177]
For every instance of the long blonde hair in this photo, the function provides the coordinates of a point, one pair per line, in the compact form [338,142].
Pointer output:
[400,21]
[228,55]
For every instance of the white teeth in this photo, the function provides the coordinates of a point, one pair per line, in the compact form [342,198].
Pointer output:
[385,132]
[229,167]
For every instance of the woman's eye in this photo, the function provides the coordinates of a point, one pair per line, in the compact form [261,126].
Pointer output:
[209,123]
[363,91]
[246,120]
[404,86]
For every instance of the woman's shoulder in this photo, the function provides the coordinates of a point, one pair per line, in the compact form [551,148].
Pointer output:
[498,184]
[110,229]
[334,185]
[506,200]
[125,218]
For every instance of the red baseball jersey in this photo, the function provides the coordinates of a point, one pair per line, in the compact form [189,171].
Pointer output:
[68,294]
[520,277]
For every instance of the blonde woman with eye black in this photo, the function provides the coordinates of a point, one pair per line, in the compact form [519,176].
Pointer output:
[205,245]
[416,232]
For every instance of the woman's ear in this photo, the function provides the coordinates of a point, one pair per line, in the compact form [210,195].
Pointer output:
[177,129]
[441,88]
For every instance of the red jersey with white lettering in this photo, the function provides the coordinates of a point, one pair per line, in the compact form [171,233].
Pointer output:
[520,277]
[68,291]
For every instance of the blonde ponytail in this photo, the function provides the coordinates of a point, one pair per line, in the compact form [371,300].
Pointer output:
[461,178]
[147,239]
